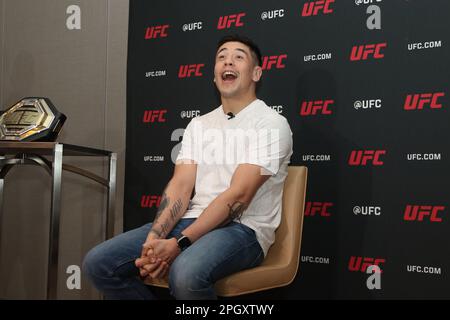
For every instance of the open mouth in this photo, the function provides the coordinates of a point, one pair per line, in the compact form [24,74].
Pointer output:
[229,76]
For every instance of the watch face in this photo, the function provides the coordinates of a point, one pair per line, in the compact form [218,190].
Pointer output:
[184,242]
[30,119]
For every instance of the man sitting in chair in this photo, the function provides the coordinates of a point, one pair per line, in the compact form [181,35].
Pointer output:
[236,157]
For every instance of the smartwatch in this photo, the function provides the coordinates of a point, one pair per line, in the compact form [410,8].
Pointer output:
[183,241]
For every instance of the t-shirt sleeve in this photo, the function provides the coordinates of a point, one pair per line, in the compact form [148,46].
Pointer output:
[270,146]
[188,150]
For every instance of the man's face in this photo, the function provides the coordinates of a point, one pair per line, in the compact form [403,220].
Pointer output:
[235,71]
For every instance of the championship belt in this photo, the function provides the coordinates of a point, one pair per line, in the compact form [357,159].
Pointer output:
[31,119]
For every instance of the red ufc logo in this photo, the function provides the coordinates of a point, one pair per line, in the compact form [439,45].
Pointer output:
[361,157]
[418,101]
[148,201]
[418,213]
[225,22]
[277,61]
[187,71]
[361,263]
[313,8]
[309,108]
[311,208]
[364,51]
[156,32]
[154,116]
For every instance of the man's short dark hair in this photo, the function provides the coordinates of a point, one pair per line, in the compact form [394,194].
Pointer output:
[254,49]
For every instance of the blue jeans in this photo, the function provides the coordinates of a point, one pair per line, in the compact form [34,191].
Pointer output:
[110,265]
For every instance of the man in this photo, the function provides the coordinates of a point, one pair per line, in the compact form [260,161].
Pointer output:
[236,157]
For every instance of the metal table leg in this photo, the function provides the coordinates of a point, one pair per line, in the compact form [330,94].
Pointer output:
[52,269]
[109,219]
[4,169]
[2,181]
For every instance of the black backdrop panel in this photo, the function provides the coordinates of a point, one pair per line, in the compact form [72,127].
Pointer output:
[369,109]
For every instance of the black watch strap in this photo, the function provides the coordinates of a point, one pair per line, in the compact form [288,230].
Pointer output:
[183,242]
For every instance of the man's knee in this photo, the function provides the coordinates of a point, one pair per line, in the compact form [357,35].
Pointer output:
[186,277]
[95,265]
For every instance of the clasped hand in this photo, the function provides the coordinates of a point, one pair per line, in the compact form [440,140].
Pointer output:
[156,257]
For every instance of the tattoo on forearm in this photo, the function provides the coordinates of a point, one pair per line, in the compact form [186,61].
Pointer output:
[158,234]
[164,229]
[163,226]
[175,210]
[162,205]
[174,216]
[235,212]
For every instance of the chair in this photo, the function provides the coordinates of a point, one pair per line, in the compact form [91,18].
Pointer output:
[280,266]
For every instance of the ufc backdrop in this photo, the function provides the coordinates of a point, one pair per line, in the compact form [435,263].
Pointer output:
[364,86]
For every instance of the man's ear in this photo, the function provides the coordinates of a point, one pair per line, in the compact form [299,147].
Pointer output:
[257,73]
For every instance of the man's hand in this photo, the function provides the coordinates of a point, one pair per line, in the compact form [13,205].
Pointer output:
[152,267]
[165,249]
[149,264]
[156,256]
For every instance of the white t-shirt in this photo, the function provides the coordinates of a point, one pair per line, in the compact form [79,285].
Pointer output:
[256,135]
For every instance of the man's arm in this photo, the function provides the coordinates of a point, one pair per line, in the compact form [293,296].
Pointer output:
[231,203]
[173,205]
[175,200]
